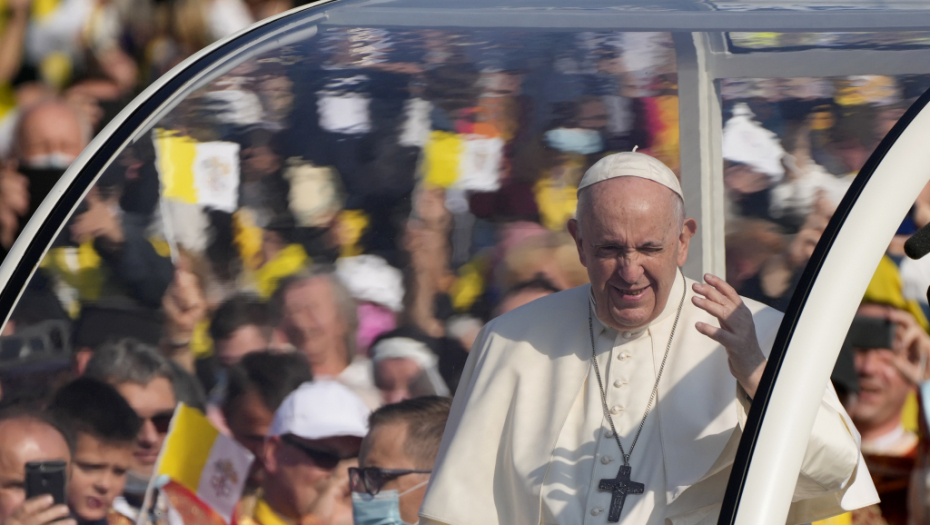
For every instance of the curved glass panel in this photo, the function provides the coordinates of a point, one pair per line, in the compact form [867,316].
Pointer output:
[442,161]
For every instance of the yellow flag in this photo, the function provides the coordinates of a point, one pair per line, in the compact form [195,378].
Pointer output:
[175,162]
[442,156]
[206,469]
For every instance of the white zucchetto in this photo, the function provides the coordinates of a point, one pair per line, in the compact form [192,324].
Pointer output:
[631,164]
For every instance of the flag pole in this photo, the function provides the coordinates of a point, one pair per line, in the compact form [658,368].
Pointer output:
[147,500]
[169,231]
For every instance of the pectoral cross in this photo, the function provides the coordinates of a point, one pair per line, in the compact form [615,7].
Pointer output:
[619,487]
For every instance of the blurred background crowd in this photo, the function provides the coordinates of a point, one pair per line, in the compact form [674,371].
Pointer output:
[325,227]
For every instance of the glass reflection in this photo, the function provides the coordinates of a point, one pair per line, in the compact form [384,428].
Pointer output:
[432,171]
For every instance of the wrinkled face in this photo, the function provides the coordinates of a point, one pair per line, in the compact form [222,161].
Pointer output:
[152,402]
[384,448]
[883,390]
[249,421]
[244,340]
[98,475]
[21,441]
[394,378]
[632,246]
[312,322]
[296,480]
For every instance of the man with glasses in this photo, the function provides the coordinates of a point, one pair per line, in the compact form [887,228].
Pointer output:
[144,377]
[396,459]
[316,432]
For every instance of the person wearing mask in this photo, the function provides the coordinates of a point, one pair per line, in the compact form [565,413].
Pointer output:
[29,436]
[319,318]
[146,380]
[104,428]
[47,139]
[316,432]
[396,459]
[256,387]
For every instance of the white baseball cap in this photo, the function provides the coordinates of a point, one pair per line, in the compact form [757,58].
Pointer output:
[321,409]
[631,164]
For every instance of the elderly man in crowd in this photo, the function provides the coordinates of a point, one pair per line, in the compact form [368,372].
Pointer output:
[24,437]
[556,422]
[145,379]
[319,317]
[396,459]
[104,429]
[316,430]
[48,137]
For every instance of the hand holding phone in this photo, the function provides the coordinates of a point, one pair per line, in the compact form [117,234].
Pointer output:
[40,510]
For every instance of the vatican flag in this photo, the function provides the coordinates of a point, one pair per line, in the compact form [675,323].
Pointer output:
[204,173]
[201,470]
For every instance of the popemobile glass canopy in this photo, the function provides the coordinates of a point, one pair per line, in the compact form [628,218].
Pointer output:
[357,127]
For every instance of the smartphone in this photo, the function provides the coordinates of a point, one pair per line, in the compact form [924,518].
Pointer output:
[46,477]
[871,332]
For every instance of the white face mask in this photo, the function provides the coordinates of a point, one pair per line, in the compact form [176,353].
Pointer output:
[381,509]
[56,160]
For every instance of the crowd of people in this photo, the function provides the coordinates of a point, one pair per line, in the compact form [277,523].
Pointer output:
[306,247]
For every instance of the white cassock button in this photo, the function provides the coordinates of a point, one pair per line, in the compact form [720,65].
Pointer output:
[618,383]
[615,410]
[610,434]
[606,460]
[596,511]
[627,335]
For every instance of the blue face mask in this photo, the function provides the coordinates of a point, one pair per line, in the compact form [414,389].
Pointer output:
[381,509]
[575,140]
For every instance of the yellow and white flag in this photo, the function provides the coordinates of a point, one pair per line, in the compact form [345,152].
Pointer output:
[464,162]
[200,469]
[204,173]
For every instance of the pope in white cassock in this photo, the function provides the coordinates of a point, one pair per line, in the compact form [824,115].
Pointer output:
[623,400]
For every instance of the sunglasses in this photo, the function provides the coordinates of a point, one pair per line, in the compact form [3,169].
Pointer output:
[322,458]
[370,479]
[161,421]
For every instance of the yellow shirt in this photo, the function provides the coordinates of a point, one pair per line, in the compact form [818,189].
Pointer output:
[263,514]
